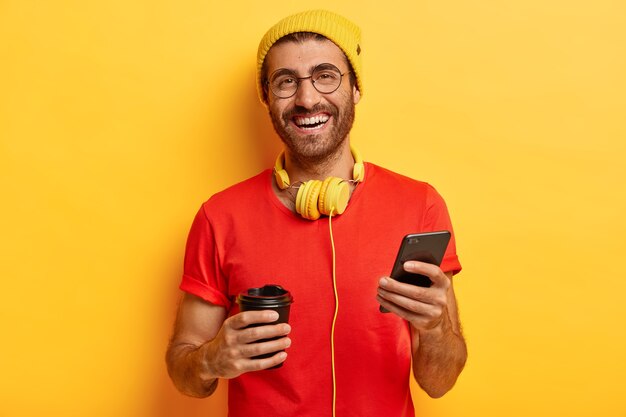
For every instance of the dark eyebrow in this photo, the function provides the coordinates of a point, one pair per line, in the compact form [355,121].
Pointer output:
[325,66]
[282,71]
[322,66]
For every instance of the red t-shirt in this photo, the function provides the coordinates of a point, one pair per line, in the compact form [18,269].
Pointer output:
[245,237]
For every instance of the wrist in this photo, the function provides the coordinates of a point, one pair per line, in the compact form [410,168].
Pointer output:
[188,369]
[436,330]
[208,377]
[206,359]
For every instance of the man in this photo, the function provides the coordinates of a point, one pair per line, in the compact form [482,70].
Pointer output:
[345,357]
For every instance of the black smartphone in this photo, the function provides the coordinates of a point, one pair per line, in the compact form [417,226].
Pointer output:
[424,247]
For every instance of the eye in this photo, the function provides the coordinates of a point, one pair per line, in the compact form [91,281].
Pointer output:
[326,76]
[284,82]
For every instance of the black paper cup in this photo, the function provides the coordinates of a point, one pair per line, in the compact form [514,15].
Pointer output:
[268,297]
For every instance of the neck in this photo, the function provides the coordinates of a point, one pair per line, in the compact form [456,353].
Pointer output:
[339,164]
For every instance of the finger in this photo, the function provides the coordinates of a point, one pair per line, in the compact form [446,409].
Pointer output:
[417,320]
[246,318]
[262,348]
[393,308]
[410,302]
[433,272]
[252,334]
[251,365]
[430,296]
[390,285]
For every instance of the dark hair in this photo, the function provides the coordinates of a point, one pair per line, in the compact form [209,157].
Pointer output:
[300,37]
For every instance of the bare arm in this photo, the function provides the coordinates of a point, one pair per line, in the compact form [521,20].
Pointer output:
[206,345]
[438,347]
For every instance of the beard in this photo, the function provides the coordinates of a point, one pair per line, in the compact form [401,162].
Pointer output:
[319,148]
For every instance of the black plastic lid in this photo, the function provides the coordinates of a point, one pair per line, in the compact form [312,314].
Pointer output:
[267,296]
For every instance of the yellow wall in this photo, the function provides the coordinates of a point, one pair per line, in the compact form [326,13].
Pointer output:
[117,119]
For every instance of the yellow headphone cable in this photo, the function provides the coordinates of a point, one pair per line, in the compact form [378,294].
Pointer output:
[332,330]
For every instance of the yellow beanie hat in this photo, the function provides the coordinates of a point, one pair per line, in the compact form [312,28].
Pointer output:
[342,32]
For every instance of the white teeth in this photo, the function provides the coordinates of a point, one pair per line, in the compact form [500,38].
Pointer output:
[303,121]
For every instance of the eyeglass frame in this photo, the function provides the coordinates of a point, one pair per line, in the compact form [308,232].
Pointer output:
[310,77]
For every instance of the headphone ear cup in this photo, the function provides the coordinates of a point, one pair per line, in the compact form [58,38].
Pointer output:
[306,200]
[282,179]
[281,176]
[358,172]
[334,194]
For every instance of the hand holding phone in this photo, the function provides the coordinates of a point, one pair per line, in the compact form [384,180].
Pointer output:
[424,247]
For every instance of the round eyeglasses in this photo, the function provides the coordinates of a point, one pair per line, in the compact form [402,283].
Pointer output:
[326,78]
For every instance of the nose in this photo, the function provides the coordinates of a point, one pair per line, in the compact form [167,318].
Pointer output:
[306,95]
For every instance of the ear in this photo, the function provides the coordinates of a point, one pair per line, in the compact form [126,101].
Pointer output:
[356,94]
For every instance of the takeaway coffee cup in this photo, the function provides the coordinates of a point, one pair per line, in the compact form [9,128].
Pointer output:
[268,297]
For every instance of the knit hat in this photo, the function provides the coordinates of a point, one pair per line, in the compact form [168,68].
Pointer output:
[342,32]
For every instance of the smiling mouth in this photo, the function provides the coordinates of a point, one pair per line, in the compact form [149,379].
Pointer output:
[312,122]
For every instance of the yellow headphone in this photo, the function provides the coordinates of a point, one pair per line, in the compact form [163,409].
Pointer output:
[317,197]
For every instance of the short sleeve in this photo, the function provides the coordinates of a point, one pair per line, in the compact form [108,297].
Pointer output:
[436,218]
[202,275]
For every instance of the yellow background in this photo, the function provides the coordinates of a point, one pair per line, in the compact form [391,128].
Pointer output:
[118,118]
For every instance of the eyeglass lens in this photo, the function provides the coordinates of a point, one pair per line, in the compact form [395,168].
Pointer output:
[326,78]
